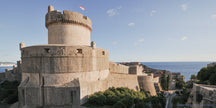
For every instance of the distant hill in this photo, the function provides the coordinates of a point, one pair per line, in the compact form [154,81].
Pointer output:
[7,63]
[3,64]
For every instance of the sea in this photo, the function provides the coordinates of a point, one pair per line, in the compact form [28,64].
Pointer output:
[185,68]
[2,68]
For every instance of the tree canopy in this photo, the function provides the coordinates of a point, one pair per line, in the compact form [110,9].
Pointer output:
[193,76]
[207,75]
[125,98]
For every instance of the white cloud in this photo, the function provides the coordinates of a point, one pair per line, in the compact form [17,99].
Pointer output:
[114,11]
[153,12]
[114,43]
[131,24]
[141,40]
[213,16]
[184,38]
[184,7]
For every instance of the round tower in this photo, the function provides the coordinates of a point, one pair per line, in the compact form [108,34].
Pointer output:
[70,28]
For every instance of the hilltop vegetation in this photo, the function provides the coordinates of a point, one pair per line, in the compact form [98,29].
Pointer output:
[165,82]
[9,92]
[125,98]
[207,75]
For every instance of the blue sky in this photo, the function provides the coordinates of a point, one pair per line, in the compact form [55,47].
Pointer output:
[132,30]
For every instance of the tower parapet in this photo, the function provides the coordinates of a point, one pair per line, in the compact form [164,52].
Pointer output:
[69,28]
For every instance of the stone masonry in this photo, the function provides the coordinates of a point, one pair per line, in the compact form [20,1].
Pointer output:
[65,72]
[202,96]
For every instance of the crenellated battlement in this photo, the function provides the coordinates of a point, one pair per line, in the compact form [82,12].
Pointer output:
[70,28]
[65,72]
[68,17]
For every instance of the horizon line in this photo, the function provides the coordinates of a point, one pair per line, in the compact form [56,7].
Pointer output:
[164,61]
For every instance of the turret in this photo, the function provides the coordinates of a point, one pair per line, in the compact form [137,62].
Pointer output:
[22,45]
[70,28]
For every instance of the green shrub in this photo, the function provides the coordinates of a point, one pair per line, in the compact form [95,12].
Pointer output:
[11,98]
[97,99]
[111,97]
[9,92]
[127,101]
[119,104]
[207,75]
[124,98]
[141,105]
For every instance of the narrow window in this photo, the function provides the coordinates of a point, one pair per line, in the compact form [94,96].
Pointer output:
[47,50]
[79,51]
[85,17]
[72,96]
[43,81]
[23,93]
[103,52]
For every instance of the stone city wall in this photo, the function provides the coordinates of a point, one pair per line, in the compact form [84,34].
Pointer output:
[14,73]
[2,76]
[64,59]
[123,80]
[146,83]
[202,95]
[155,80]
[86,83]
[48,69]
[118,68]
[67,70]
[48,96]
[88,88]
[136,69]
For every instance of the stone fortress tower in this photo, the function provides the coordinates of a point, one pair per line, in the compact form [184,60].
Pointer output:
[63,73]
[70,28]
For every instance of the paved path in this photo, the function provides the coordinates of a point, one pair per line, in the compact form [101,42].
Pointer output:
[169,100]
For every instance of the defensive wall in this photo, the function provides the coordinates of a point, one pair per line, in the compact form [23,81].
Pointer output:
[146,83]
[123,80]
[136,69]
[70,28]
[13,74]
[63,59]
[118,68]
[133,74]
[65,72]
[2,76]
[202,96]
[58,67]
